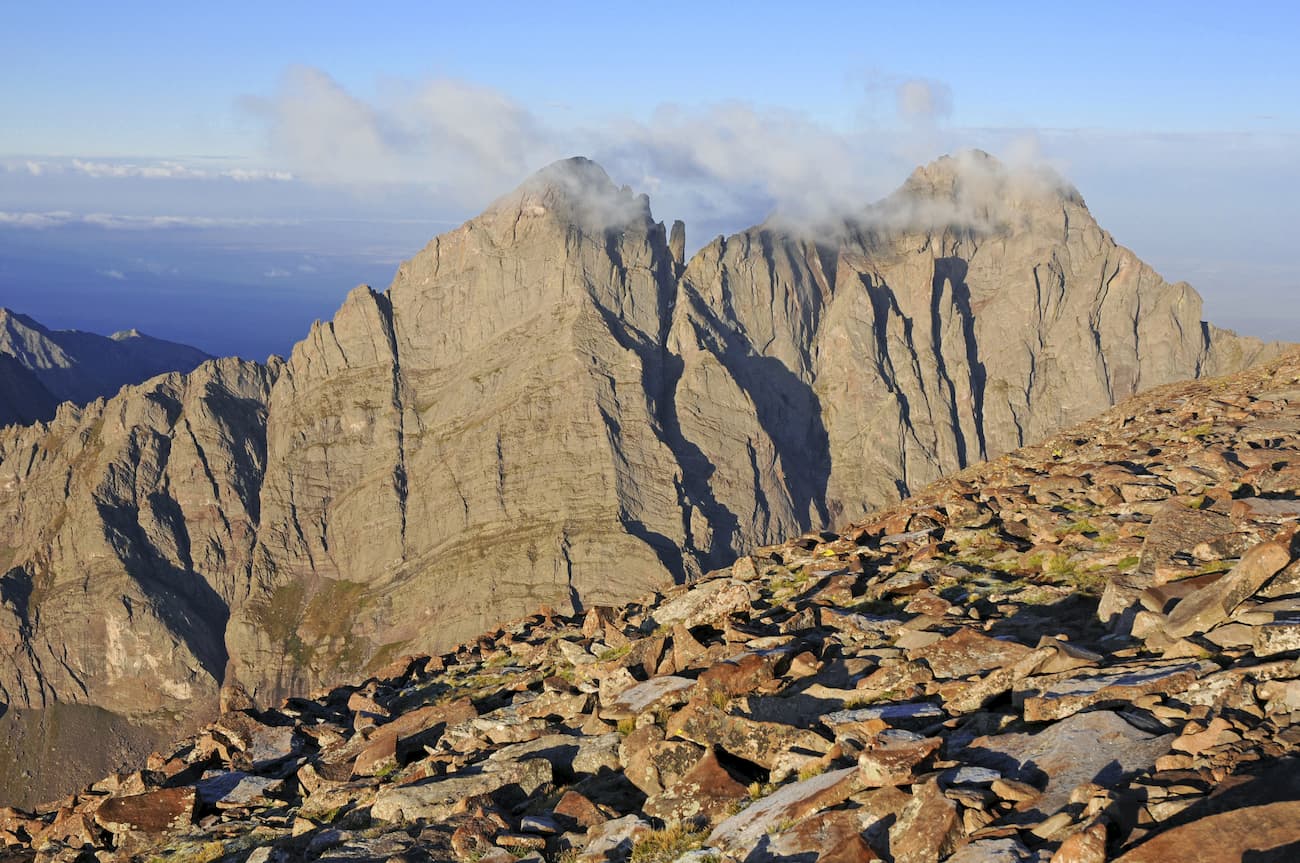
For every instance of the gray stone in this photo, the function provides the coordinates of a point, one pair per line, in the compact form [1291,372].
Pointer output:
[1059,696]
[889,713]
[1007,850]
[1277,637]
[1214,603]
[437,799]
[788,803]
[1094,747]
[657,691]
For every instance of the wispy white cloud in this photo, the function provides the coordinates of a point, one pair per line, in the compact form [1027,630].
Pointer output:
[468,143]
[166,169]
[115,221]
[51,219]
[116,275]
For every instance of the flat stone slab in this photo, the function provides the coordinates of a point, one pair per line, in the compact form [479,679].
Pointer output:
[791,803]
[887,713]
[968,652]
[635,700]
[1056,698]
[235,789]
[437,799]
[1095,747]
[969,776]
[151,812]
[705,603]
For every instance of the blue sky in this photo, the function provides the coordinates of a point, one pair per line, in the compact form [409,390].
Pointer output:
[1179,122]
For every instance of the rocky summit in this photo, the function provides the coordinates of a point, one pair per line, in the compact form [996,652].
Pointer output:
[550,405]
[1085,650]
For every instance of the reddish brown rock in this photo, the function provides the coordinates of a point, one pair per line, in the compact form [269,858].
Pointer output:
[827,837]
[787,805]
[892,756]
[927,829]
[968,652]
[473,837]
[743,673]
[579,809]
[1269,832]
[151,812]
[705,793]
[1086,846]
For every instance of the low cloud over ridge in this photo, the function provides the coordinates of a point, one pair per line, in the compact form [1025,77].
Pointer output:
[726,164]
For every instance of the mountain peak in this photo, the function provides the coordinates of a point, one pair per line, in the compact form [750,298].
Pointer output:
[973,189]
[579,191]
[974,172]
[8,317]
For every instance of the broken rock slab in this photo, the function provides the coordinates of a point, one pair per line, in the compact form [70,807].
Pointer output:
[1097,747]
[437,799]
[665,691]
[1214,603]
[789,804]
[1050,699]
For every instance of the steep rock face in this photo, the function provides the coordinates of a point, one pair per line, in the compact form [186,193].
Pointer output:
[42,367]
[550,406]
[480,440]
[972,312]
[126,528]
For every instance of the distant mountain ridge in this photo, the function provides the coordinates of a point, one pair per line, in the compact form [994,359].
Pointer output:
[550,405]
[40,367]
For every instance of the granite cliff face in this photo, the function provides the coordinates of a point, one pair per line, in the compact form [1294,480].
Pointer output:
[40,367]
[550,406]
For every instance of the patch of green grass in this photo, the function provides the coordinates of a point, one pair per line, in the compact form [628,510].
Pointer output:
[1061,566]
[1083,527]
[614,653]
[782,826]
[666,845]
[1128,562]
